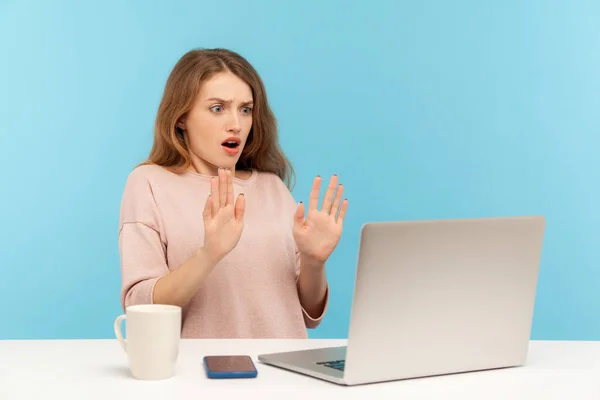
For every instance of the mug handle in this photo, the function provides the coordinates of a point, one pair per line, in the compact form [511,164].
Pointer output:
[118,332]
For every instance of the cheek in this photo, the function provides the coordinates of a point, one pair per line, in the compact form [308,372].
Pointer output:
[201,129]
[247,125]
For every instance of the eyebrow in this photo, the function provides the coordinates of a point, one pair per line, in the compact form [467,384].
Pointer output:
[227,101]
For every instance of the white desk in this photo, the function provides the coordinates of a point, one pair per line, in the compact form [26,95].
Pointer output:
[97,369]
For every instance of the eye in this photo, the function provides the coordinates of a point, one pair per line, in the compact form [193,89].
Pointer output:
[216,108]
[247,110]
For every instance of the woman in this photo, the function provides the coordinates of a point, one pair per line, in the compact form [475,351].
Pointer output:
[208,221]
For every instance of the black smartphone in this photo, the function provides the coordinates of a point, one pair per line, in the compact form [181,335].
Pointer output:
[229,367]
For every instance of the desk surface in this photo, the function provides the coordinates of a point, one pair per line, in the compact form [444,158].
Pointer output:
[97,369]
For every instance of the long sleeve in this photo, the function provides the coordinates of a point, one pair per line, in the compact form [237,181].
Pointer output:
[141,242]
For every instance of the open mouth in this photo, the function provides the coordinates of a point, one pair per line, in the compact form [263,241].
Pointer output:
[231,143]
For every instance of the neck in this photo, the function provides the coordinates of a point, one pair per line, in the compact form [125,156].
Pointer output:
[202,167]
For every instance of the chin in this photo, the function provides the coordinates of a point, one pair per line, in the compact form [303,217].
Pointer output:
[227,163]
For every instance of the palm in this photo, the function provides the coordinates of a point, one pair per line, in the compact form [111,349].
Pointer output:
[318,235]
[224,226]
[223,219]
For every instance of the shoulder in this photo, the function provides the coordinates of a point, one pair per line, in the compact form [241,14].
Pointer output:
[138,201]
[271,183]
[145,174]
[146,178]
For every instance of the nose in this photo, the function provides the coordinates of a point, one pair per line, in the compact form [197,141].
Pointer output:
[233,124]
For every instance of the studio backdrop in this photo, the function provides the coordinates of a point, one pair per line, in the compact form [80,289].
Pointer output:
[425,109]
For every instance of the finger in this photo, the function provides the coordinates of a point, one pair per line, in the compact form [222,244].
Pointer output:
[207,212]
[299,215]
[342,214]
[240,207]
[229,197]
[336,202]
[214,194]
[329,194]
[313,200]
[222,187]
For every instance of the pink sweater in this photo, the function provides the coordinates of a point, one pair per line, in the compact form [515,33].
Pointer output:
[252,292]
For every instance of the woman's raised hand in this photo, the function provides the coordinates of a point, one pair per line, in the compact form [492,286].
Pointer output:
[223,219]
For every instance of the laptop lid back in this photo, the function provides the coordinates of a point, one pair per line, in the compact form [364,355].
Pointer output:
[445,296]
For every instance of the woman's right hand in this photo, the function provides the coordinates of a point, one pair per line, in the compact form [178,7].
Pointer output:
[223,220]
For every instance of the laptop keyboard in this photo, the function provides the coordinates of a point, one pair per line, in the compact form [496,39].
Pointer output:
[337,364]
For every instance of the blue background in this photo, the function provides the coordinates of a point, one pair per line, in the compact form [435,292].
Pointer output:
[425,110]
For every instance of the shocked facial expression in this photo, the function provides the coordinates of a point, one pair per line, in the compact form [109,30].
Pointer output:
[218,124]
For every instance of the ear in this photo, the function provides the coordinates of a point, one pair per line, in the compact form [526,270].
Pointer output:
[180,128]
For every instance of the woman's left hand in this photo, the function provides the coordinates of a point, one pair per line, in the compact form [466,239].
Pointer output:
[318,234]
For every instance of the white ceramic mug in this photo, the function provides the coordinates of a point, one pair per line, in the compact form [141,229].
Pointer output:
[153,332]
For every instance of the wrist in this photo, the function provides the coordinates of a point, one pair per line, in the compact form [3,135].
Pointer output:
[206,258]
[311,264]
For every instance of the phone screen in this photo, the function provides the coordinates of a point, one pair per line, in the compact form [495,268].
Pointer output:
[230,364]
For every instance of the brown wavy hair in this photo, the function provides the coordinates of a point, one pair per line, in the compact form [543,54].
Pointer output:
[262,151]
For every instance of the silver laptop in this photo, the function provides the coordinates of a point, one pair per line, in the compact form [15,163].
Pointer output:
[434,298]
